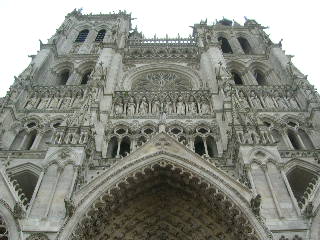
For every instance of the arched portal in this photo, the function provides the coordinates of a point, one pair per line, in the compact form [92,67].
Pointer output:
[161,200]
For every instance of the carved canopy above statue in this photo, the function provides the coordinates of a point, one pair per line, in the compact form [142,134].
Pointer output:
[161,81]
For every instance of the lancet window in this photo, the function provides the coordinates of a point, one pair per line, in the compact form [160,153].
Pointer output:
[100,35]
[225,45]
[303,183]
[63,77]
[122,140]
[82,35]
[245,45]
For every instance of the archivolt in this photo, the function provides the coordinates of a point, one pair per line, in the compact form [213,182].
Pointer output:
[163,200]
[193,76]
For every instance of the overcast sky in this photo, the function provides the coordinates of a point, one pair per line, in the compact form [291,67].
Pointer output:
[23,23]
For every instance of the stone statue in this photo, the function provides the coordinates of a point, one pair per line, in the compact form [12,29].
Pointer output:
[18,211]
[308,212]
[54,102]
[156,107]
[181,110]
[143,108]
[44,102]
[241,101]
[255,101]
[268,101]
[69,205]
[77,101]
[118,107]
[192,106]
[66,102]
[31,103]
[131,107]
[281,102]
[168,106]
[204,106]
[255,204]
[293,102]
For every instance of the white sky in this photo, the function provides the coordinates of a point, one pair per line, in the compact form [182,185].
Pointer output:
[24,22]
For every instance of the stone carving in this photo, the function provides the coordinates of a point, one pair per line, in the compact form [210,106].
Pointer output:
[181,107]
[255,204]
[54,98]
[37,236]
[308,211]
[18,211]
[188,103]
[70,207]
[161,81]
[131,109]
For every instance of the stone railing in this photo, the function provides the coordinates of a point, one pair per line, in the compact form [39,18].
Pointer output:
[191,104]
[162,42]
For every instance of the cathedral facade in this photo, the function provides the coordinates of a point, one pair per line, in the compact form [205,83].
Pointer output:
[108,134]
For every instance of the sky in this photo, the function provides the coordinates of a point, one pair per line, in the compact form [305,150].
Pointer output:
[23,23]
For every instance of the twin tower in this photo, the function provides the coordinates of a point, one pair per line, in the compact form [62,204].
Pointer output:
[108,135]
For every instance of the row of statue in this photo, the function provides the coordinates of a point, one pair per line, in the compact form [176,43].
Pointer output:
[53,102]
[144,107]
[252,100]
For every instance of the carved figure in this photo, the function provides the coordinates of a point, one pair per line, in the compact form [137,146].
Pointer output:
[255,204]
[54,102]
[168,106]
[18,211]
[192,106]
[204,107]
[268,101]
[156,107]
[241,101]
[181,108]
[69,205]
[118,107]
[131,107]
[293,103]
[31,102]
[77,101]
[44,102]
[255,101]
[66,102]
[143,108]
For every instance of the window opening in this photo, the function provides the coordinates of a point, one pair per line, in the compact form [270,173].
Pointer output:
[245,45]
[212,147]
[82,35]
[294,140]
[64,76]
[260,78]
[225,46]
[125,146]
[112,148]
[237,79]
[86,77]
[100,35]
[199,146]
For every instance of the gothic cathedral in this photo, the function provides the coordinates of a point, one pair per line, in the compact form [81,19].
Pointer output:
[109,135]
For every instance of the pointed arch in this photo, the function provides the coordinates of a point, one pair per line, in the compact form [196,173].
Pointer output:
[144,173]
[188,73]
[9,223]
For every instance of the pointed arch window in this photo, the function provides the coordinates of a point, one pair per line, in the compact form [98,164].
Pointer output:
[237,79]
[63,77]
[86,77]
[225,46]
[100,35]
[245,45]
[82,35]
[260,77]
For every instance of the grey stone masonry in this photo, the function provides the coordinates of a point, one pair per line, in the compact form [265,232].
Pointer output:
[111,135]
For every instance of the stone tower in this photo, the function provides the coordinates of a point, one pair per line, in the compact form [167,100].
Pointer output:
[111,135]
